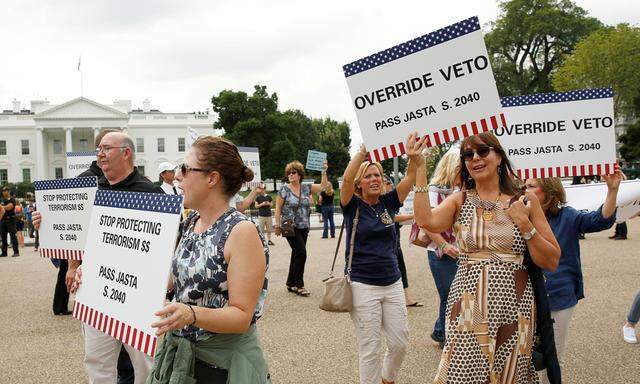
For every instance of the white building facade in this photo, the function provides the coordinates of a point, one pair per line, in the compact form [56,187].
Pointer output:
[34,142]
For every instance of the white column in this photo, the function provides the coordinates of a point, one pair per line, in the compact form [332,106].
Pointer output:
[96,132]
[40,163]
[68,139]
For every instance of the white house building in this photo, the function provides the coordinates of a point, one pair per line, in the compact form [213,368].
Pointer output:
[34,142]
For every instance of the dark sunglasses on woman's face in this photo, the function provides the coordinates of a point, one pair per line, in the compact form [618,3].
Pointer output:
[185,169]
[292,173]
[481,151]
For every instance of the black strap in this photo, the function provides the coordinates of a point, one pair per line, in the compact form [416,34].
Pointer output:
[175,191]
[354,227]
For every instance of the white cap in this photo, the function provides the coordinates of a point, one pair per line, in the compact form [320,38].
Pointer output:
[166,166]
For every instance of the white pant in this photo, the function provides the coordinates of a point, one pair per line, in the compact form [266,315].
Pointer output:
[377,309]
[101,358]
[561,323]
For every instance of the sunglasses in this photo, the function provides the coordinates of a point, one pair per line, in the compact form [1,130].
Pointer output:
[185,169]
[481,152]
[292,173]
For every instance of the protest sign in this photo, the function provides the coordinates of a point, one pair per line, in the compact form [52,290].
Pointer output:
[589,197]
[78,162]
[65,206]
[315,160]
[440,85]
[126,269]
[560,134]
[251,158]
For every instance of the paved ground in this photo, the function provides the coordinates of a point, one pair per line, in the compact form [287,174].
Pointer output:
[305,345]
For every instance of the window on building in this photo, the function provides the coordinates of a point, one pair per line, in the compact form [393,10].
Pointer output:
[24,144]
[181,145]
[3,147]
[59,173]
[4,176]
[84,145]
[141,169]
[26,175]
[160,144]
[57,147]
[140,144]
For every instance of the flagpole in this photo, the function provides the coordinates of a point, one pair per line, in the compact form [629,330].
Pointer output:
[80,70]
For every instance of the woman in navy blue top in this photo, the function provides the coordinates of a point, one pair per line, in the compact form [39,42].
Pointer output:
[565,284]
[378,297]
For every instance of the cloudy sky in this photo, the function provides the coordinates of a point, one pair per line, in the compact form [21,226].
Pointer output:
[180,53]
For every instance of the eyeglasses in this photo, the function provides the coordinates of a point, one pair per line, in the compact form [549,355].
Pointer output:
[185,169]
[106,149]
[292,173]
[482,152]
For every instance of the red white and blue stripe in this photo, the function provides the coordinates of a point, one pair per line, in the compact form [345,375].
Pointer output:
[418,44]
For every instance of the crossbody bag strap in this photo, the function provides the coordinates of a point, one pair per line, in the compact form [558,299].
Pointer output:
[335,255]
[353,238]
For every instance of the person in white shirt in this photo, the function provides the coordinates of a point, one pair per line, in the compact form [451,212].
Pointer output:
[166,170]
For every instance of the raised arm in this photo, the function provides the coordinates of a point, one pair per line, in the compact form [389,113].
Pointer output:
[324,181]
[349,176]
[613,184]
[414,149]
[543,246]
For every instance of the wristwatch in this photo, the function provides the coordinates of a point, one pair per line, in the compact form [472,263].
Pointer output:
[529,235]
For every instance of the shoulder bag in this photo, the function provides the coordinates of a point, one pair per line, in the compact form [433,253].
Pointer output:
[337,289]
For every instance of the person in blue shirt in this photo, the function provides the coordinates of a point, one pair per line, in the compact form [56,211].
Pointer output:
[376,286]
[565,285]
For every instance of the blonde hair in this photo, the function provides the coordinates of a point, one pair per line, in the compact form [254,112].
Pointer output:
[363,168]
[329,190]
[447,170]
[555,196]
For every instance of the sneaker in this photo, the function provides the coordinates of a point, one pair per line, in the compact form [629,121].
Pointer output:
[629,335]
[15,255]
[271,242]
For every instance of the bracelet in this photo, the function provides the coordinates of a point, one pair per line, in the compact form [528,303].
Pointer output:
[421,189]
[442,245]
[194,315]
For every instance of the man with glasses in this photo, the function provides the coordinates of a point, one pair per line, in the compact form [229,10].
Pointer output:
[115,159]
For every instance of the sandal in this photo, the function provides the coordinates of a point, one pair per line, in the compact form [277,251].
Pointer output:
[415,304]
[302,292]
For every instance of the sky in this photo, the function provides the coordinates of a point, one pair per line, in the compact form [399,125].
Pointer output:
[180,53]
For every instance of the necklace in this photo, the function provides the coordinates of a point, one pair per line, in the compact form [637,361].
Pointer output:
[487,209]
[384,217]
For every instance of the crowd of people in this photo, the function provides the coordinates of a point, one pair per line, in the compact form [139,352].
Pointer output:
[504,255]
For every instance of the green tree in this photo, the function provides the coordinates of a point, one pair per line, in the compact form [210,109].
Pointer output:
[334,138]
[630,149]
[233,107]
[281,137]
[608,57]
[529,39]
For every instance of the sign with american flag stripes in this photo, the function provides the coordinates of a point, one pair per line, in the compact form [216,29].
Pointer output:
[127,264]
[560,134]
[65,206]
[440,85]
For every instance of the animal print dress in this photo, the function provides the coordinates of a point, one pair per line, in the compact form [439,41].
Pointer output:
[490,316]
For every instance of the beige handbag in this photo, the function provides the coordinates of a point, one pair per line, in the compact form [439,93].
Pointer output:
[337,289]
